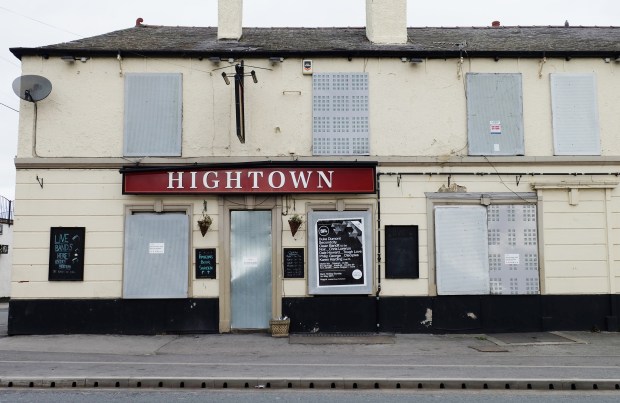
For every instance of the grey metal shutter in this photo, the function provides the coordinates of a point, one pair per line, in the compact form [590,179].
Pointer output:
[513,249]
[494,114]
[340,114]
[153,114]
[156,256]
[462,264]
[575,114]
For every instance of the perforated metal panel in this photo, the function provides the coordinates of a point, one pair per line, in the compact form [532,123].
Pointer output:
[250,276]
[575,114]
[494,114]
[153,114]
[513,249]
[156,256]
[340,114]
[461,250]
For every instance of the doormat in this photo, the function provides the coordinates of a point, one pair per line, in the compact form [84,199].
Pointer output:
[532,339]
[341,338]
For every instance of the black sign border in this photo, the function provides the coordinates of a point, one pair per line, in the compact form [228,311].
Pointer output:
[79,269]
[197,270]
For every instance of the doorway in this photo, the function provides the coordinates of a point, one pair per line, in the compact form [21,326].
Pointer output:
[250,269]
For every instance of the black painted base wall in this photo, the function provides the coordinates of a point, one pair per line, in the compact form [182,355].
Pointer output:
[443,314]
[118,316]
[453,314]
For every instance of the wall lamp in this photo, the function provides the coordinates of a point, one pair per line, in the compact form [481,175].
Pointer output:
[215,60]
[71,59]
[275,60]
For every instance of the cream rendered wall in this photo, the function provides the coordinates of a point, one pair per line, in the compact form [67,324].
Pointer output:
[91,199]
[415,110]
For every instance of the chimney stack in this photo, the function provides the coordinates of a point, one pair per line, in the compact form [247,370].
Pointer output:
[386,21]
[229,19]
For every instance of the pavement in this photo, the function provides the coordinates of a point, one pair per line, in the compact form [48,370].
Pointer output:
[543,361]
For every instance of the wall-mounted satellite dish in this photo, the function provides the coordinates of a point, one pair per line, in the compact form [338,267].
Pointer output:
[32,88]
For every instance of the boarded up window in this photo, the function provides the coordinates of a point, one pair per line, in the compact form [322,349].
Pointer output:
[153,114]
[340,114]
[461,250]
[494,114]
[575,114]
[482,250]
[156,256]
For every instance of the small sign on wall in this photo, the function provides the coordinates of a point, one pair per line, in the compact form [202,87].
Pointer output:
[205,263]
[4,249]
[66,254]
[293,262]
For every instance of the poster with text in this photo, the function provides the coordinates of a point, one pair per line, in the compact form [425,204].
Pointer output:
[340,252]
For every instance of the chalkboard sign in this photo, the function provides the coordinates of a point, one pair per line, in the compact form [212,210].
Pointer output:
[293,262]
[205,263]
[66,254]
[401,251]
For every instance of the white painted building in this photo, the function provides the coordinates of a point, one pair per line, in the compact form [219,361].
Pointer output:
[6,242]
[448,179]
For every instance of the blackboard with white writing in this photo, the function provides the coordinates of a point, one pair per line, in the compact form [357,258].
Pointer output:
[66,254]
[293,262]
[205,263]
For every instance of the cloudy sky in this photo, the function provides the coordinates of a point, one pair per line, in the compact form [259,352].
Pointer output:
[42,22]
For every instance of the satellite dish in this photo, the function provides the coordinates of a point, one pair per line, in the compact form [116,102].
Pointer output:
[32,88]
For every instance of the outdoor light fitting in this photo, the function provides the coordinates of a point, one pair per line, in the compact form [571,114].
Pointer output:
[71,59]
[226,80]
[253,74]
[276,59]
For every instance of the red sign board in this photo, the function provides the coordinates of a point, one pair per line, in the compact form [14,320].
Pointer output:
[250,180]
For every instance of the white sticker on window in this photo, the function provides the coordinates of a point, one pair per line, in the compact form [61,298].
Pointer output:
[156,247]
[511,258]
[250,261]
[496,147]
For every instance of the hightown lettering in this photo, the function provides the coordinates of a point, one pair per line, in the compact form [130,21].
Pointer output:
[255,179]
[240,180]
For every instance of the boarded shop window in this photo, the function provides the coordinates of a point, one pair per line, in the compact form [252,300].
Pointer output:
[494,114]
[340,114]
[156,256]
[401,251]
[575,114]
[153,114]
[482,250]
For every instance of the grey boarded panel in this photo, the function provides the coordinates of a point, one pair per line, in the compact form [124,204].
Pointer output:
[575,114]
[156,256]
[153,114]
[494,114]
[513,249]
[461,250]
[251,267]
[340,115]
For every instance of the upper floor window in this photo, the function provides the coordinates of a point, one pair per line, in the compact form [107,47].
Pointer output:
[494,114]
[153,114]
[575,114]
[340,114]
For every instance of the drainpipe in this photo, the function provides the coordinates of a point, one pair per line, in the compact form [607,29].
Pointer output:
[377,297]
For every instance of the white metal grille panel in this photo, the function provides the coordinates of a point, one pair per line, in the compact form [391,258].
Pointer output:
[575,114]
[513,249]
[340,124]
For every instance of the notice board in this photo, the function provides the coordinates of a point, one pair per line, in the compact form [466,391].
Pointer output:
[205,263]
[293,262]
[66,254]
[401,251]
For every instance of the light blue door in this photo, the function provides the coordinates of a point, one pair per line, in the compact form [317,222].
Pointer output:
[250,246]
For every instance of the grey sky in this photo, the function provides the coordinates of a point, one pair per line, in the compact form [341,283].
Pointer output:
[43,22]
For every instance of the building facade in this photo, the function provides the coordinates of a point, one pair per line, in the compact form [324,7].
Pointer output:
[6,248]
[447,179]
